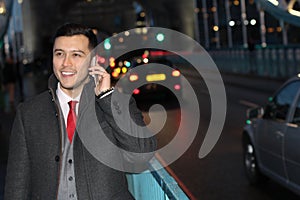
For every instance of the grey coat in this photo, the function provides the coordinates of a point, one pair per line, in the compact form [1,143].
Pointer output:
[35,151]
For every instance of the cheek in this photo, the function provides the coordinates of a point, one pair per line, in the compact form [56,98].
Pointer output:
[83,68]
[55,63]
[83,71]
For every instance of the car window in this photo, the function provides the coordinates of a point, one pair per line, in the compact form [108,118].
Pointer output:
[279,106]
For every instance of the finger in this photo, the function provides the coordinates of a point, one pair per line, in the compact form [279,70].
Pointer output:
[97,70]
[99,73]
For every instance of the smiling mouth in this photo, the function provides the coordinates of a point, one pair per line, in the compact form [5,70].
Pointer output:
[68,73]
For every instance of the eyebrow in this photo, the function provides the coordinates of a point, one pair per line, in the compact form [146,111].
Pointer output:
[74,51]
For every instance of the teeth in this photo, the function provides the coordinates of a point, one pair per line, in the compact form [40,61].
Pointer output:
[68,73]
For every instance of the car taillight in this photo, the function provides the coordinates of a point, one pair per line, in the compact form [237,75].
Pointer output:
[176,73]
[136,91]
[133,77]
[177,87]
[101,59]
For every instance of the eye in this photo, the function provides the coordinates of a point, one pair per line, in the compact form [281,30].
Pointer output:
[58,54]
[77,55]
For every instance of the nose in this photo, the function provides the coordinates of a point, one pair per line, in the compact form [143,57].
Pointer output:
[67,61]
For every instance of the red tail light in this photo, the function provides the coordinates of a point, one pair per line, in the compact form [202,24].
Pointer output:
[136,91]
[177,87]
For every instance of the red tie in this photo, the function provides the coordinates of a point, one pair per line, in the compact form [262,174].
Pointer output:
[71,120]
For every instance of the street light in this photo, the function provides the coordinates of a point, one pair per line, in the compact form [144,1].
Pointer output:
[231,23]
[252,22]
[2,8]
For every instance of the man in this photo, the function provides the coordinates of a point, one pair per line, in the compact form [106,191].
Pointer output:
[45,160]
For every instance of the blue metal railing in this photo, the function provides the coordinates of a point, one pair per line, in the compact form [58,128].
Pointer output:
[274,62]
[155,184]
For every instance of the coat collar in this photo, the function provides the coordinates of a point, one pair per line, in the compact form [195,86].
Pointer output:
[52,82]
[87,94]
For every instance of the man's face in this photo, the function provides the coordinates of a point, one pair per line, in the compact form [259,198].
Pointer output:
[70,63]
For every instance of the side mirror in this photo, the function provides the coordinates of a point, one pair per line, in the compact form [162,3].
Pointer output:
[255,112]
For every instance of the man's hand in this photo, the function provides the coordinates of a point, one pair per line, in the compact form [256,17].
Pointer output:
[102,78]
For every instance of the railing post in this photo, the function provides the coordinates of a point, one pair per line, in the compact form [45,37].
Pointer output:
[297,56]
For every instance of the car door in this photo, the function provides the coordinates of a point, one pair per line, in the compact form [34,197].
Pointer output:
[271,130]
[292,147]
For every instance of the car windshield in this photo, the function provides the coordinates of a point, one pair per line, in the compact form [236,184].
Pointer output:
[279,106]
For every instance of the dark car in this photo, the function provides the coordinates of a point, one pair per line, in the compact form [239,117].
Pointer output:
[271,139]
[150,74]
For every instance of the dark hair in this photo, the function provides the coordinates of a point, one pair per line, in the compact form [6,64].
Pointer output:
[70,29]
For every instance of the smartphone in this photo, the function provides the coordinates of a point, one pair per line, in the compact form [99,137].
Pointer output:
[93,63]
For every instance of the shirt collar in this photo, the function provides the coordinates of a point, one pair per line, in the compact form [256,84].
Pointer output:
[63,97]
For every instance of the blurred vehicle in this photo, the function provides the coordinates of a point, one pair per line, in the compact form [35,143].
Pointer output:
[147,74]
[271,139]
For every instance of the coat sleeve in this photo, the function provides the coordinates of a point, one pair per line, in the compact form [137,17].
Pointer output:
[137,141]
[17,185]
